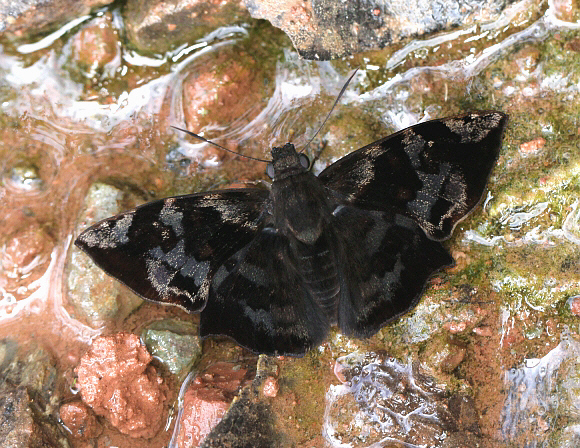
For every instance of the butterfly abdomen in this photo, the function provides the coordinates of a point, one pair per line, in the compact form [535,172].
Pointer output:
[319,271]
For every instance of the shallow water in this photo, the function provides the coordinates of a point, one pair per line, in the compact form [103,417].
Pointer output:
[64,125]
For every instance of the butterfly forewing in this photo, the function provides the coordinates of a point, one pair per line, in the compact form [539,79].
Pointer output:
[434,172]
[168,250]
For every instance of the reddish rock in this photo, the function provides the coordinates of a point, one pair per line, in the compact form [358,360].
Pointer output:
[97,44]
[24,259]
[455,357]
[566,10]
[225,376]
[202,410]
[207,400]
[117,382]
[211,97]
[328,29]
[80,420]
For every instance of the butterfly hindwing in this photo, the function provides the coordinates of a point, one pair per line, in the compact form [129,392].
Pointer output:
[258,299]
[167,250]
[435,171]
[389,260]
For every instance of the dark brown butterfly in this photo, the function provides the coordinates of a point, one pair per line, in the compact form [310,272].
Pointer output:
[275,269]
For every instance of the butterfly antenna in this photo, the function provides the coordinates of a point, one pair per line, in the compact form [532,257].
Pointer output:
[331,109]
[216,145]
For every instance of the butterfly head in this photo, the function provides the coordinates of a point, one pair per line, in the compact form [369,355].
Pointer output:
[286,161]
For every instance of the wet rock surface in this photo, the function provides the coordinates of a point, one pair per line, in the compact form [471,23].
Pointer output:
[96,48]
[24,258]
[175,343]
[250,420]
[544,394]
[34,16]
[384,401]
[28,398]
[31,368]
[207,400]
[326,29]
[116,380]
[158,26]
[21,425]
[78,418]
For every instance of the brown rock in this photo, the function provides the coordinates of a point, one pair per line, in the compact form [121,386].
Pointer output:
[453,359]
[25,258]
[21,426]
[483,331]
[96,44]
[455,327]
[326,29]
[207,400]
[211,97]
[159,25]
[80,420]
[202,410]
[35,16]
[226,376]
[533,146]
[117,382]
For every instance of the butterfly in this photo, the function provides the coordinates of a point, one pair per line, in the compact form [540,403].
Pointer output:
[275,269]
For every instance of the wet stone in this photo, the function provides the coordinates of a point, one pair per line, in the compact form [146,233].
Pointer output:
[541,394]
[249,422]
[28,396]
[92,294]
[566,10]
[211,97]
[326,29]
[203,409]
[79,420]
[443,354]
[96,46]
[22,426]
[26,178]
[31,368]
[116,380]
[24,258]
[385,400]
[207,400]
[175,343]
[160,25]
[35,16]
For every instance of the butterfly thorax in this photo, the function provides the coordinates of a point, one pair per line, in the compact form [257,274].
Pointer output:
[302,212]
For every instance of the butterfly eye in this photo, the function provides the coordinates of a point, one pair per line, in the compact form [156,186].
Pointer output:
[304,161]
[270,170]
